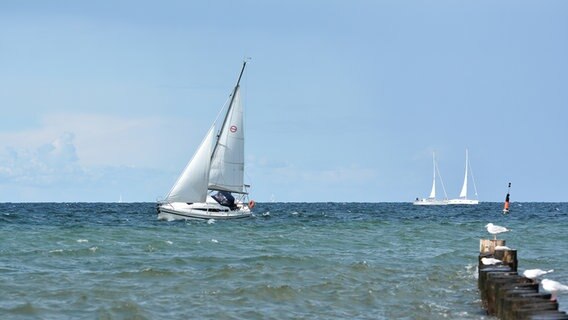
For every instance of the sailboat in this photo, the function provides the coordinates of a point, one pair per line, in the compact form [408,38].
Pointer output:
[205,188]
[463,199]
[431,200]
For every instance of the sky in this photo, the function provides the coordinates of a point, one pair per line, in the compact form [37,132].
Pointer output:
[345,101]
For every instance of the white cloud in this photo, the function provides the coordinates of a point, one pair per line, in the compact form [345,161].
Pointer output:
[53,162]
[103,140]
[94,158]
[60,152]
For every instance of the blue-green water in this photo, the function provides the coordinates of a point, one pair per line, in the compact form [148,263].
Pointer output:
[290,261]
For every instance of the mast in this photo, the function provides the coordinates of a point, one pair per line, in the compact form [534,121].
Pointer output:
[229,108]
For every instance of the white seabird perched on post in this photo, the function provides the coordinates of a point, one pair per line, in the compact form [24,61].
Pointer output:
[535,273]
[490,261]
[494,229]
[553,287]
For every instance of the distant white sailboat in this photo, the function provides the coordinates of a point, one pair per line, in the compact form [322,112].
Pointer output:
[431,200]
[204,189]
[463,199]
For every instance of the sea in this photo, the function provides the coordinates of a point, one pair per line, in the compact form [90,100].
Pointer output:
[289,261]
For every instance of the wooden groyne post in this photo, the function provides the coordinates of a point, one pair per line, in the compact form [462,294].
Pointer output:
[508,295]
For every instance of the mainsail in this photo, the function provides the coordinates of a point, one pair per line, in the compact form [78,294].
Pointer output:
[191,185]
[462,199]
[228,160]
[463,193]
[433,192]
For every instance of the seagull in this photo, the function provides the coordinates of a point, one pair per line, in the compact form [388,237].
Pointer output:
[502,248]
[535,273]
[553,287]
[494,230]
[490,261]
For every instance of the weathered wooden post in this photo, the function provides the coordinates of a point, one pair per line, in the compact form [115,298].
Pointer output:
[488,245]
[483,282]
[539,311]
[521,286]
[508,257]
[501,282]
[506,294]
[514,306]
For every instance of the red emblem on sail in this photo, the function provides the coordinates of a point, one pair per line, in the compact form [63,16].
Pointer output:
[233,129]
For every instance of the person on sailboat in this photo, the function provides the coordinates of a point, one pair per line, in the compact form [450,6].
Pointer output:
[225,199]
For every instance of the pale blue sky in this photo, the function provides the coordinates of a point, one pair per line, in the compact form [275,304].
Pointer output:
[345,100]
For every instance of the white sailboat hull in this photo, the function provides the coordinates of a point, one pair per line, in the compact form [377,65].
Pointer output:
[463,201]
[208,210]
[430,202]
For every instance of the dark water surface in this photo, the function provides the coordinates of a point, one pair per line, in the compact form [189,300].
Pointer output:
[292,260]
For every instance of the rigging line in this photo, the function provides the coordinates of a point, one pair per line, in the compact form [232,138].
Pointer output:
[221,111]
[472,178]
[442,181]
[230,106]
[248,178]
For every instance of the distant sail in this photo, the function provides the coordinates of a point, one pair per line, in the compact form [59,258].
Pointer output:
[463,193]
[431,200]
[463,200]
[433,192]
